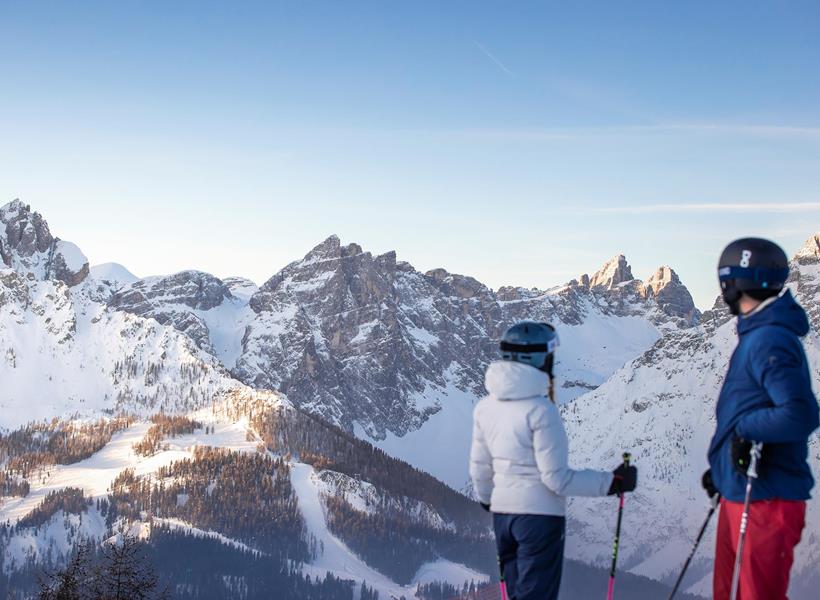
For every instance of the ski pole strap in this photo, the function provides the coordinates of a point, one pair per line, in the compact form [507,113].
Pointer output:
[757,450]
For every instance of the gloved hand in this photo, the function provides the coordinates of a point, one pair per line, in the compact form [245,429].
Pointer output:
[625,479]
[708,484]
[485,506]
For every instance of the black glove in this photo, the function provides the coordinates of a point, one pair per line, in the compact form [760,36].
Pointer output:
[708,484]
[485,506]
[625,479]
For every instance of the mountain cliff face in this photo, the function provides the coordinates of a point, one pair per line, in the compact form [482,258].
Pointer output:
[376,346]
[177,300]
[396,355]
[369,340]
[26,245]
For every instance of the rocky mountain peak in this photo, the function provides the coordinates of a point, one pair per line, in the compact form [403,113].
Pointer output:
[26,245]
[810,252]
[461,286]
[195,289]
[661,278]
[331,248]
[26,233]
[672,297]
[12,209]
[613,273]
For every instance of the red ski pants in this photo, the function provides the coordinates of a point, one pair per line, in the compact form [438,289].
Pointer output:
[773,531]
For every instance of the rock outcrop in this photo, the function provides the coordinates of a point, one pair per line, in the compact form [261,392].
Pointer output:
[26,245]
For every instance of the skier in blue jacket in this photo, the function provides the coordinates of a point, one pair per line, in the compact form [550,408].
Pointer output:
[766,397]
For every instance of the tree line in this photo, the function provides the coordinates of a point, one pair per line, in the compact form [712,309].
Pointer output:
[164,426]
[244,496]
[56,442]
[325,446]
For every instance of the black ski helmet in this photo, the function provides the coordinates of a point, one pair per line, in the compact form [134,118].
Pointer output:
[531,343]
[752,266]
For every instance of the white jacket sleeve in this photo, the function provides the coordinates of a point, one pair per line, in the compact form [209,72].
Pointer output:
[552,456]
[481,465]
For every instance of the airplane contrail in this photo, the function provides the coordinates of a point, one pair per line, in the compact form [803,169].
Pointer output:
[498,63]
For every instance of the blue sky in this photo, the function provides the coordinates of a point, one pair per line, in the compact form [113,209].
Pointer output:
[519,143]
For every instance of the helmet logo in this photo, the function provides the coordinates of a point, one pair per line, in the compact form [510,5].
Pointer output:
[745,257]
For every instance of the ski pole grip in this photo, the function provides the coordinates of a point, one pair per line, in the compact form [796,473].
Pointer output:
[757,449]
[627,457]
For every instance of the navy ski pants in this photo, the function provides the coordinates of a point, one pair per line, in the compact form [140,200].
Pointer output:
[531,551]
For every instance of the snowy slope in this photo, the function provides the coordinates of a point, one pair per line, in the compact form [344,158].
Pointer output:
[195,303]
[338,559]
[62,352]
[113,273]
[65,352]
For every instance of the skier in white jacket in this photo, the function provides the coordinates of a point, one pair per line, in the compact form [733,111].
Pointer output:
[519,463]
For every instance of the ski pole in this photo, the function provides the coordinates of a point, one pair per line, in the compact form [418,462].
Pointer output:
[617,542]
[715,500]
[751,475]
[501,577]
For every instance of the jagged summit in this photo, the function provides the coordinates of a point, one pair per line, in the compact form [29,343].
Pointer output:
[672,296]
[613,273]
[331,248]
[27,246]
[661,278]
[11,209]
[810,250]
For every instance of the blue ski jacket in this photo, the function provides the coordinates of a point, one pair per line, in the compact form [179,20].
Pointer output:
[767,397]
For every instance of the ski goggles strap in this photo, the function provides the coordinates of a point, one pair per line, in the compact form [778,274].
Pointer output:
[757,274]
[529,348]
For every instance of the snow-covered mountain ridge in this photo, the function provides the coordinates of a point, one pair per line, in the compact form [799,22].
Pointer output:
[397,355]
[64,351]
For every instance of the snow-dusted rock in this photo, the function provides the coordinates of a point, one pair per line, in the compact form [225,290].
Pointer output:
[113,273]
[26,245]
[612,274]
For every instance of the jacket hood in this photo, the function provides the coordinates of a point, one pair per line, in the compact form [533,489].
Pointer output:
[508,380]
[783,312]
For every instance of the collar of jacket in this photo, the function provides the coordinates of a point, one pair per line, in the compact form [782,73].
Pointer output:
[783,311]
[508,380]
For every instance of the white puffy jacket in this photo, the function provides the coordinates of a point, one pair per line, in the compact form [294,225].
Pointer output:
[518,460]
